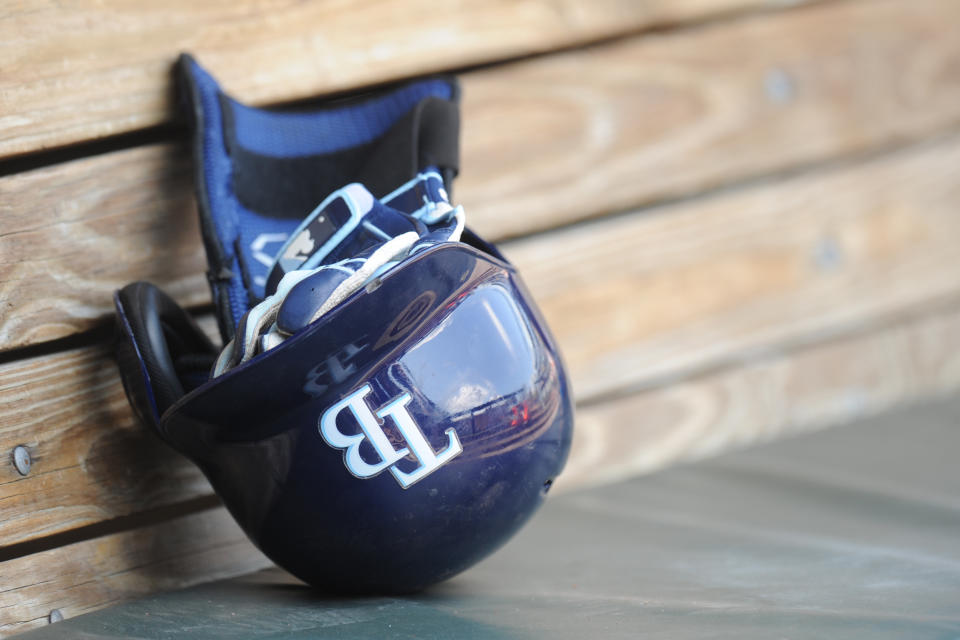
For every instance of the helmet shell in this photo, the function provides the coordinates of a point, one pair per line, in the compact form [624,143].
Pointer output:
[449,341]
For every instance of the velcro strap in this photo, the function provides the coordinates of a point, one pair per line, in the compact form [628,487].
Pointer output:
[350,221]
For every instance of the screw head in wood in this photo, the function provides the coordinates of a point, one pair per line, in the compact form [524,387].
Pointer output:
[779,86]
[21,459]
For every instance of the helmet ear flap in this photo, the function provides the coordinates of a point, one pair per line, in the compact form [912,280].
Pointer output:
[162,352]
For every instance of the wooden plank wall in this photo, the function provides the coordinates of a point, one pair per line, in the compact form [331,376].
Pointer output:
[740,219]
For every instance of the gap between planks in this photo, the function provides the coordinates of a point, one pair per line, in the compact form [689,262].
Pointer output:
[582,134]
[754,402]
[707,283]
[76,73]
[89,575]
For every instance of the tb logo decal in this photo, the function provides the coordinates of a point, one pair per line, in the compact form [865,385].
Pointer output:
[395,410]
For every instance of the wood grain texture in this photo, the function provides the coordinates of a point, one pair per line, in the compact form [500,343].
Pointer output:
[72,234]
[636,301]
[91,460]
[92,574]
[546,142]
[80,71]
[642,298]
[589,132]
[772,396]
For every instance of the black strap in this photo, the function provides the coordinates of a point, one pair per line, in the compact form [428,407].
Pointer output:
[156,332]
[426,136]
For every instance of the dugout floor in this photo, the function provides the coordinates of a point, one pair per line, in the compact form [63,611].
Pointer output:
[853,532]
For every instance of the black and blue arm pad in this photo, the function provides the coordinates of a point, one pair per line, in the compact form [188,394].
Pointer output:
[260,172]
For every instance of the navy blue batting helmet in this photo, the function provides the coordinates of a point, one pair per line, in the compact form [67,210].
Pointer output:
[388,406]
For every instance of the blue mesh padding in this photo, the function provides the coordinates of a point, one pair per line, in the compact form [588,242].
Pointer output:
[217,171]
[259,238]
[289,134]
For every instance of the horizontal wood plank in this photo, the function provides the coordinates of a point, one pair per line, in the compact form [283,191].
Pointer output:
[636,301]
[783,394]
[91,461]
[546,142]
[72,234]
[80,71]
[585,133]
[92,574]
[768,397]
[640,298]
